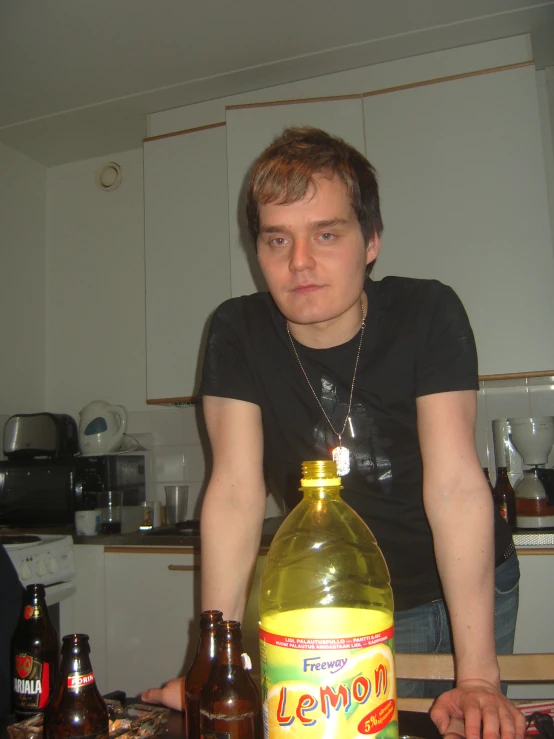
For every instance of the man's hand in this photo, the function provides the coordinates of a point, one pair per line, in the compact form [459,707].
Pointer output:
[482,708]
[172,694]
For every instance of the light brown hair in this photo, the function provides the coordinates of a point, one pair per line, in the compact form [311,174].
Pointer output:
[284,171]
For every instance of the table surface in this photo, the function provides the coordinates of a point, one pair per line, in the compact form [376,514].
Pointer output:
[410,723]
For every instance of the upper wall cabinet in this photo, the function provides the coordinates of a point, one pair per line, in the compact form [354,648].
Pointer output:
[464,200]
[187,254]
[249,130]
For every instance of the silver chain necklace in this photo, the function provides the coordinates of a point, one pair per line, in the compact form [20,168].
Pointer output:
[341,454]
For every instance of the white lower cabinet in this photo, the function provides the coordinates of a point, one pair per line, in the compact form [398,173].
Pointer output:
[141,610]
[534,632]
[152,615]
[85,612]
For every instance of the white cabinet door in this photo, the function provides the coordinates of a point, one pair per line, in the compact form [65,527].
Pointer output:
[152,616]
[85,612]
[186,252]
[463,195]
[534,631]
[249,131]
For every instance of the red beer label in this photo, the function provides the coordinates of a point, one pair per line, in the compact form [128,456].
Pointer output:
[31,684]
[28,612]
[79,681]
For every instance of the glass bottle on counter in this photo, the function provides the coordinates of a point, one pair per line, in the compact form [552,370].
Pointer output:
[35,654]
[229,702]
[505,497]
[76,709]
[199,671]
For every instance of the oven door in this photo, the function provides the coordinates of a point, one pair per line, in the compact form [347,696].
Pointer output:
[57,594]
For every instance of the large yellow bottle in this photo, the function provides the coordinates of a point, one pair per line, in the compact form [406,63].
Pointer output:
[326,622]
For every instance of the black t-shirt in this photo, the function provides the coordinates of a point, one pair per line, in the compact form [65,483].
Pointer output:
[417,341]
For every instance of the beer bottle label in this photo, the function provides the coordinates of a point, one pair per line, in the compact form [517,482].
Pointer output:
[79,680]
[31,683]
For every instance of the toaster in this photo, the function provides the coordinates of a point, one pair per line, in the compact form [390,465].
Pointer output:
[40,435]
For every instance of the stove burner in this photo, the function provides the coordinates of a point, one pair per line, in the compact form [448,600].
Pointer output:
[18,539]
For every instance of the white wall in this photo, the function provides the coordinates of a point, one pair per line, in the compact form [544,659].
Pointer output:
[95,317]
[22,294]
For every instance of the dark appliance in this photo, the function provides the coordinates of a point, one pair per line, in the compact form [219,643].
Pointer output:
[46,492]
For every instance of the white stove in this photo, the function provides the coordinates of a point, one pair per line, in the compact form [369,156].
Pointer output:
[44,559]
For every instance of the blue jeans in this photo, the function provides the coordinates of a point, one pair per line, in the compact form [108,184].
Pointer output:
[426,629]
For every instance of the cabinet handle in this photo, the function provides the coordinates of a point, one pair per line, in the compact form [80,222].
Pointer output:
[183,568]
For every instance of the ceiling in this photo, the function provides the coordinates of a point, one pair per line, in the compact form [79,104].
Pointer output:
[78,77]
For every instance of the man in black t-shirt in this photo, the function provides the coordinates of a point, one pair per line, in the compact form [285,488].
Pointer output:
[381,375]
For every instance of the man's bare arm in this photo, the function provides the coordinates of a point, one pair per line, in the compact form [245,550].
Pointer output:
[234,505]
[231,520]
[459,507]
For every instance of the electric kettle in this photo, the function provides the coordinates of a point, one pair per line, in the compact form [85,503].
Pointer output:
[101,427]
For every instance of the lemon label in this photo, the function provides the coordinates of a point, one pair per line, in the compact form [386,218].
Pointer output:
[325,685]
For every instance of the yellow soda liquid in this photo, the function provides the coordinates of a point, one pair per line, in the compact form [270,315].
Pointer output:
[326,623]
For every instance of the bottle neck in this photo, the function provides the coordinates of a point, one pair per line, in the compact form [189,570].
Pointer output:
[207,643]
[75,656]
[229,644]
[322,492]
[34,603]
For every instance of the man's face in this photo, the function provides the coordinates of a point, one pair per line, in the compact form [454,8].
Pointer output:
[313,255]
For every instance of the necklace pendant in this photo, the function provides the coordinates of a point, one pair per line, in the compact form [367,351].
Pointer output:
[341,456]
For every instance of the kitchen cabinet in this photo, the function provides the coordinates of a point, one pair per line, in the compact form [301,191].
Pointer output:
[85,612]
[464,200]
[534,631]
[249,130]
[152,616]
[141,609]
[186,253]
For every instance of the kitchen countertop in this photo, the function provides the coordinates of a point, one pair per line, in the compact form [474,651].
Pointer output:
[527,542]
[165,536]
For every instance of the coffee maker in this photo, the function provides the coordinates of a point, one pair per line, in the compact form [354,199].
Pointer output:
[533,439]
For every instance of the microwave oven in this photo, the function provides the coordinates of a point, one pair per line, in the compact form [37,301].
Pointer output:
[47,492]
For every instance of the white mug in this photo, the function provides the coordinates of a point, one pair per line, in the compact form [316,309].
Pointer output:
[87,523]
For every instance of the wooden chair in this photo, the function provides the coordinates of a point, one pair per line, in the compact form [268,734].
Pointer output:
[514,668]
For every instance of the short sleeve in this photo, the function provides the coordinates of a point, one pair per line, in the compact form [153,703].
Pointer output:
[225,371]
[447,356]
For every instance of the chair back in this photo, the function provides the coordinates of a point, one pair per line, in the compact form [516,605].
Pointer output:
[514,668]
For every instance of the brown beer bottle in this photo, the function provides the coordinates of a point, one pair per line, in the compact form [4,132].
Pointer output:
[35,654]
[504,496]
[200,670]
[229,702]
[77,709]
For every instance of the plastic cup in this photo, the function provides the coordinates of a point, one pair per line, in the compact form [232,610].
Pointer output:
[176,503]
[87,523]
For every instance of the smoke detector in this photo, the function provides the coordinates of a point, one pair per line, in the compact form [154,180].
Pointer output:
[108,176]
